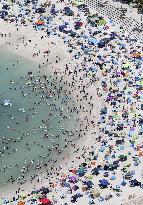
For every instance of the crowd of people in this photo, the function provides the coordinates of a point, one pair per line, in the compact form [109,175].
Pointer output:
[109,63]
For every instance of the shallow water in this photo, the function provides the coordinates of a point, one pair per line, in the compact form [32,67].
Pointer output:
[25,120]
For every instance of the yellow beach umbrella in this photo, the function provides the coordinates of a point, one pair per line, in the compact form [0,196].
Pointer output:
[96,193]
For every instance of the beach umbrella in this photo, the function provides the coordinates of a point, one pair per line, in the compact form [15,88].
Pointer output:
[123,183]
[81,171]
[128,176]
[113,177]
[22,196]
[136,55]
[134,183]
[100,199]
[44,190]
[137,78]
[75,187]
[125,66]
[21,203]
[84,164]
[90,177]
[104,182]
[34,198]
[45,201]
[96,193]
[39,22]
[72,171]
[102,22]
[88,183]
[92,41]
[73,179]
[117,188]
[123,157]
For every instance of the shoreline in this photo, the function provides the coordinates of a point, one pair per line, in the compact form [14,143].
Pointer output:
[84,141]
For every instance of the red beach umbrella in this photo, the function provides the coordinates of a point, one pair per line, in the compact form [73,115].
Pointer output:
[45,201]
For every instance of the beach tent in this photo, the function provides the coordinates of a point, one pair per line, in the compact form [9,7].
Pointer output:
[93,17]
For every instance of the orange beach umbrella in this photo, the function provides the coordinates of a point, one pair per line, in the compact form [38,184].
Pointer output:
[39,22]
[136,55]
[21,203]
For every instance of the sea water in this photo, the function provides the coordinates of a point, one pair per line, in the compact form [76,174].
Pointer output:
[29,117]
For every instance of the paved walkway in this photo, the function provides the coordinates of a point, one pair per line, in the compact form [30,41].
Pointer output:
[128,23]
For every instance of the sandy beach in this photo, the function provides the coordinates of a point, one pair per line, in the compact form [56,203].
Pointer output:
[106,80]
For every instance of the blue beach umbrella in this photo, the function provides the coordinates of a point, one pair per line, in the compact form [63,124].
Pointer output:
[104,182]
[113,177]
[92,41]
[123,183]
[137,78]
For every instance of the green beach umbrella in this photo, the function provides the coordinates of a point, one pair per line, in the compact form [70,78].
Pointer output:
[125,66]
[90,177]
[102,22]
